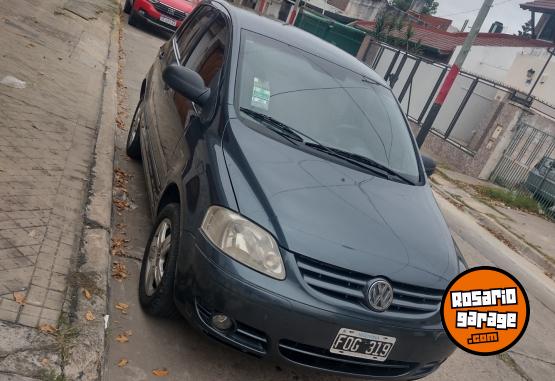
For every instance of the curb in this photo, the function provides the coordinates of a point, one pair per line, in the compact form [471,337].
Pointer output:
[85,358]
[503,234]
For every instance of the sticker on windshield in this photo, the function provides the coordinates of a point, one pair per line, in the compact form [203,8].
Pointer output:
[260,94]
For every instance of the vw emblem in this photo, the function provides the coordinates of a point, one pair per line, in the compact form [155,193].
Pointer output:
[171,11]
[379,294]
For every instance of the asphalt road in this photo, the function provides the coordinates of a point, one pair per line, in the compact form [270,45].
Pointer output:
[188,355]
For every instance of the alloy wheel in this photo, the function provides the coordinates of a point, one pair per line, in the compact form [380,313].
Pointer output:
[157,255]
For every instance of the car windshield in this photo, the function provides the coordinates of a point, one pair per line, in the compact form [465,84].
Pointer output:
[333,105]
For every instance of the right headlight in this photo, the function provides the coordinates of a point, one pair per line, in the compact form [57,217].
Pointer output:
[243,241]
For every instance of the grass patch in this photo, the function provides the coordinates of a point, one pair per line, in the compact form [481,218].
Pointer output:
[65,337]
[512,199]
[50,375]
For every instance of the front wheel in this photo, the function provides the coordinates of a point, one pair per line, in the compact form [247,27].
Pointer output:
[133,146]
[157,277]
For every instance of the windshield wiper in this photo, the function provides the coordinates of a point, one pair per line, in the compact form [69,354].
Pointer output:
[275,124]
[364,160]
[290,132]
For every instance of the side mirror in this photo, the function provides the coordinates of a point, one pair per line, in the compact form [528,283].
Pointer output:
[187,83]
[429,165]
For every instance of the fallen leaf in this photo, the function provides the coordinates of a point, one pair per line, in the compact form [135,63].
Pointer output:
[118,244]
[122,363]
[19,297]
[120,123]
[44,361]
[87,294]
[119,271]
[89,316]
[122,306]
[121,204]
[122,338]
[47,328]
[129,332]
[121,178]
[160,372]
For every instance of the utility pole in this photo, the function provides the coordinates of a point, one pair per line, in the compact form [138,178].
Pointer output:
[294,12]
[453,72]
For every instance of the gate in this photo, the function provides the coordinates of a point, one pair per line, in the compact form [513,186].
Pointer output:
[343,36]
[527,166]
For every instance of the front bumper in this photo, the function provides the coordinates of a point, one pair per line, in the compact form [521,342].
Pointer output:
[151,15]
[282,329]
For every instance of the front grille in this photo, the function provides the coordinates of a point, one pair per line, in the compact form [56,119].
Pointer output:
[170,11]
[323,359]
[247,337]
[348,286]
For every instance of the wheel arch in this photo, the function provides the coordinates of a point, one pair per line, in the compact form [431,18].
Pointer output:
[170,195]
[143,89]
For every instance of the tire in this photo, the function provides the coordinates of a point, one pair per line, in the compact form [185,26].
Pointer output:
[133,146]
[133,18]
[157,277]
[127,7]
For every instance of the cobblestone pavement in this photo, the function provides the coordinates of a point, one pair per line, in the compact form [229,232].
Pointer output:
[47,135]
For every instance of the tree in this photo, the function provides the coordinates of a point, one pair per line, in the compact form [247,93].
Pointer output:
[430,8]
[379,27]
[526,30]
[403,5]
[408,35]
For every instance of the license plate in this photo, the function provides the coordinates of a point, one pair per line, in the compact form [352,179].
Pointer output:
[168,20]
[362,344]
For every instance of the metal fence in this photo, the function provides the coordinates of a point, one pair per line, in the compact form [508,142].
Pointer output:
[469,107]
[527,166]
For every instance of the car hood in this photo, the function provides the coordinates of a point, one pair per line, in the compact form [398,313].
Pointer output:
[182,5]
[339,215]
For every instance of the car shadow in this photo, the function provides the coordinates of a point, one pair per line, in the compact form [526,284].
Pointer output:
[149,29]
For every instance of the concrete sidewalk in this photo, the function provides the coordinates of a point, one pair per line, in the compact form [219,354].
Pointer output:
[57,53]
[532,236]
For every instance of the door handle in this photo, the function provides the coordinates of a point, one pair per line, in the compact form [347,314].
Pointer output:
[161,54]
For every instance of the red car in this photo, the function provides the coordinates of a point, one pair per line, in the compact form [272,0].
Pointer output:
[165,14]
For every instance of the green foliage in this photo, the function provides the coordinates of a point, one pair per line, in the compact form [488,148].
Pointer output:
[379,27]
[408,35]
[526,30]
[403,5]
[509,198]
[51,375]
[430,8]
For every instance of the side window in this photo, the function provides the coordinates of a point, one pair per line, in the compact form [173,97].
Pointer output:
[207,58]
[190,32]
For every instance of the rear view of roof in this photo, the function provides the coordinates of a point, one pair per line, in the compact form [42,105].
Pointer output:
[433,21]
[445,42]
[543,6]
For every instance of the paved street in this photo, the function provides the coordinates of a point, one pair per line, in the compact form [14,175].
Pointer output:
[188,355]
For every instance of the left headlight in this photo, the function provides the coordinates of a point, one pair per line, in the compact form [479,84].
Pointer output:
[243,241]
